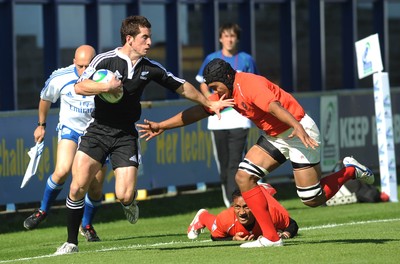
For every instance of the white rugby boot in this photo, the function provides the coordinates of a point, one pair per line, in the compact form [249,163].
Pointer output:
[262,242]
[362,172]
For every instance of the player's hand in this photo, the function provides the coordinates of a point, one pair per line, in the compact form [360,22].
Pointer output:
[117,91]
[39,133]
[217,106]
[299,132]
[240,236]
[149,130]
[115,85]
[284,234]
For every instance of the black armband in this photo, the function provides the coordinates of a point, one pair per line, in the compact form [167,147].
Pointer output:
[293,228]
[42,124]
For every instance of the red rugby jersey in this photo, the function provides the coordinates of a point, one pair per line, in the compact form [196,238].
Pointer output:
[252,95]
[226,224]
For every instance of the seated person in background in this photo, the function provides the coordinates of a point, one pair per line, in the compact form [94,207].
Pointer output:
[238,222]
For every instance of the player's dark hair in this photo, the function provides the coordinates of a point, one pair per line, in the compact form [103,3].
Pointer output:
[131,26]
[236,193]
[219,70]
[230,26]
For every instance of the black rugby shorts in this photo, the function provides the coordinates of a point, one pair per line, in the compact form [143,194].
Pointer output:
[102,141]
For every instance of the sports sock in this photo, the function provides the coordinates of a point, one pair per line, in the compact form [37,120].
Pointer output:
[279,215]
[207,219]
[90,210]
[258,204]
[50,194]
[74,217]
[332,183]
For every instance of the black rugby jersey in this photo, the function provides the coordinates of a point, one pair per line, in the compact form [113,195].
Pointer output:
[128,110]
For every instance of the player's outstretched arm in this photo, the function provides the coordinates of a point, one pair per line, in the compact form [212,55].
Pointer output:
[152,129]
[190,92]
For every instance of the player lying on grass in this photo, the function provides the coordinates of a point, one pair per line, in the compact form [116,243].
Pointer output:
[238,222]
[289,134]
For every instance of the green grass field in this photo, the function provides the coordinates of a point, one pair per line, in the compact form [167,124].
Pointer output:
[356,233]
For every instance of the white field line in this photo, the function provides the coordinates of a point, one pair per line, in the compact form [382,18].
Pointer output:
[202,241]
[349,224]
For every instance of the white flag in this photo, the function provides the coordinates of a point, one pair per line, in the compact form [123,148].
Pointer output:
[34,153]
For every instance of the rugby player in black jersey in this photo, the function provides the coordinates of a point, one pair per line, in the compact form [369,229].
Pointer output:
[112,133]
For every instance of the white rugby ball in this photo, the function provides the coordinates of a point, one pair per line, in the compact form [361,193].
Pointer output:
[103,76]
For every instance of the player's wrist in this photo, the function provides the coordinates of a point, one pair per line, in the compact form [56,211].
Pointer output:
[42,124]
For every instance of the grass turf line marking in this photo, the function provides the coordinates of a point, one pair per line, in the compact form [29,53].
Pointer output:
[151,245]
[348,224]
[28,259]
[202,241]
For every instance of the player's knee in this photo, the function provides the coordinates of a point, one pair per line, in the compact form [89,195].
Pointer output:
[240,178]
[60,175]
[95,190]
[95,194]
[312,196]
[245,181]
[76,193]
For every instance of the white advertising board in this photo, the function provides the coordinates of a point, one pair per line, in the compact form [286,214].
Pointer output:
[369,58]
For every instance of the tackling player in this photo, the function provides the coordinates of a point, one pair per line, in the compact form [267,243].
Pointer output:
[229,133]
[289,133]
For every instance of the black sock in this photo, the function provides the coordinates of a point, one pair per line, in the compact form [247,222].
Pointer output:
[74,218]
